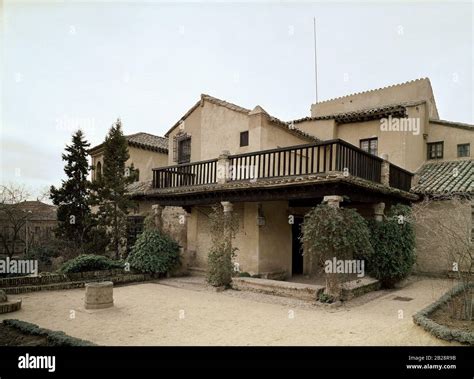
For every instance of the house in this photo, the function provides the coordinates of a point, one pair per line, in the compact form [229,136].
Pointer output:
[360,151]
[25,224]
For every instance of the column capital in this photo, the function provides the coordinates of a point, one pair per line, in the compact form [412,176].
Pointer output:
[228,206]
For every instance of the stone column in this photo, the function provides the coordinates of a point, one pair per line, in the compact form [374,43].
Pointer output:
[379,211]
[223,167]
[157,216]
[333,200]
[385,174]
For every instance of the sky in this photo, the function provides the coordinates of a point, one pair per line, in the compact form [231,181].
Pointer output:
[73,64]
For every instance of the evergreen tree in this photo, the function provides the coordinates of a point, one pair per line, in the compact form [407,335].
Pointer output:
[72,198]
[111,189]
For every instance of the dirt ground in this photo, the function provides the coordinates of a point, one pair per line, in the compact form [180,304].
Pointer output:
[183,311]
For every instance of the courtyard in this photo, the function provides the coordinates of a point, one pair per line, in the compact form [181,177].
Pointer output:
[184,311]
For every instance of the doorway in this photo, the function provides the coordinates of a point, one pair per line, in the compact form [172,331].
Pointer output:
[297,247]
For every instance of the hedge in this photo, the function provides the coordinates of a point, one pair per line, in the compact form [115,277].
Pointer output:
[53,338]
[90,262]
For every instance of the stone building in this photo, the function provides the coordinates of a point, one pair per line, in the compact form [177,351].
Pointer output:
[362,151]
[35,222]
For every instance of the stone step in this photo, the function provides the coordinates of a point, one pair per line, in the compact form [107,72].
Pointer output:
[308,292]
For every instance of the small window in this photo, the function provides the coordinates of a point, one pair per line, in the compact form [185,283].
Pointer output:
[98,173]
[435,150]
[464,150]
[244,139]
[184,150]
[370,145]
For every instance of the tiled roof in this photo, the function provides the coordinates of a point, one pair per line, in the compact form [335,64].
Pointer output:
[38,211]
[460,125]
[146,140]
[397,110]
[143,141]
[446,177]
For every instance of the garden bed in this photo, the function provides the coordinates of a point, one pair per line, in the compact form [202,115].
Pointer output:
[437,318]
[21,333]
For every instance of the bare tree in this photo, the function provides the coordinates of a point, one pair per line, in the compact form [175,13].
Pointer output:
[13,218]
[450,233]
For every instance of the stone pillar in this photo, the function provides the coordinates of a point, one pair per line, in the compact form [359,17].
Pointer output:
[385,174]
[333,200]
[228,208]
[223,167]
[157,216]
[379,211]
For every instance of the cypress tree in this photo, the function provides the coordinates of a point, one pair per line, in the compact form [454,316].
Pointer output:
[111,189]
[72,198]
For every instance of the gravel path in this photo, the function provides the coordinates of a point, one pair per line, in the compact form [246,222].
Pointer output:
[183,311]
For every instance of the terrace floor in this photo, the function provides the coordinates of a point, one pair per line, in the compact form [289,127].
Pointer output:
[183,311]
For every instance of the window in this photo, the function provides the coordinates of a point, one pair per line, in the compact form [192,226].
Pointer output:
[135,226]
[464,150]
[244,139]
[435,150]
[98,173]
[370,145]
[184,150]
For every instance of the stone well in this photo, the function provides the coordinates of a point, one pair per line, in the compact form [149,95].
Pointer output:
[99,295]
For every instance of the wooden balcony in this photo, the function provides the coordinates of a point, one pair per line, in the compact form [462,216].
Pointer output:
[294,161]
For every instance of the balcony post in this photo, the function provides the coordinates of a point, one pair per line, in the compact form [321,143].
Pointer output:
[223,161]
[385,173]
[379,211]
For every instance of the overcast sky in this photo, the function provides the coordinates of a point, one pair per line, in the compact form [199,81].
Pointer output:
[84,64]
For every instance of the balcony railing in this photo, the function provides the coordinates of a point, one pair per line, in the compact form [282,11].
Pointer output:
[400,178]
[183,175]
[317,158]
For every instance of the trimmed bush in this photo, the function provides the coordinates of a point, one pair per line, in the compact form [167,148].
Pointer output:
[154,252]
[90,262]
[393,242]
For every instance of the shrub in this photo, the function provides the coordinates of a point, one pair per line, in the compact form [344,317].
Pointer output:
[154,252]
[90,262]
[325,298]
[43,254]
[330,232]
[393,240]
